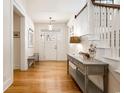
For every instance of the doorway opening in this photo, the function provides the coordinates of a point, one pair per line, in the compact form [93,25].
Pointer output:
[48,45]
[18,39]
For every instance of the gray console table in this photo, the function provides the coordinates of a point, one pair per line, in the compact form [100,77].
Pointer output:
[82,71]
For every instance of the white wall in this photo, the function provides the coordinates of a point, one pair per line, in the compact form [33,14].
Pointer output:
[26,51]
[79,27]
[61,51]
[8,39]
[29,24]
[7,44]
[84,25]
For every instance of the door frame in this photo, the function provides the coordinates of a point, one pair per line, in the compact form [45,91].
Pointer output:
[18,10]
[45,57]
[43,31]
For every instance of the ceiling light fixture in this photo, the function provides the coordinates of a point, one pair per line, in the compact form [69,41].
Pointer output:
[50,26]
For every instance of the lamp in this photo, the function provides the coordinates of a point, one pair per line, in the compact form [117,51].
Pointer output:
[50,26]
[75,39]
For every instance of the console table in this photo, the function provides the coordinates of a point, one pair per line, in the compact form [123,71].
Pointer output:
[83,72]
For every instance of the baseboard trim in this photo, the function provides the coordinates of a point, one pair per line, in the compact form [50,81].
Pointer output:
[17,67]
[52,60]
[7,84]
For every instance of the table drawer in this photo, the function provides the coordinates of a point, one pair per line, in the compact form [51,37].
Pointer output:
[81,67]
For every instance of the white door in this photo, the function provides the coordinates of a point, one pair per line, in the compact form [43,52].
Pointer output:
[48,46]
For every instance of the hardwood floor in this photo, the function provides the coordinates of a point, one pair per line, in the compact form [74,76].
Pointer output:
[44,77]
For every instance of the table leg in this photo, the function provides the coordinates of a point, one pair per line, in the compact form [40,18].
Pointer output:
[86,81]
[67,66]
[105,80]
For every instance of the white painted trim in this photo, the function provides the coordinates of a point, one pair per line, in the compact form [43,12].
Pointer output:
[112,58]
[17,67]
[11,51]
[7,84]
[52,60]
[118,71]
[19,8]
[22,33]
[46,30]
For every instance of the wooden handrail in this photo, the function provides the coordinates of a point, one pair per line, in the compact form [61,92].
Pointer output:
[106,5]
[81,11]
[99,4]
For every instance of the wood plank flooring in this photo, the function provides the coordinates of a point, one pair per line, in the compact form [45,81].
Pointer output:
[44,77]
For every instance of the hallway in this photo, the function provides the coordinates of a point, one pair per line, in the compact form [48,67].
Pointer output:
[86,33]
[45,77]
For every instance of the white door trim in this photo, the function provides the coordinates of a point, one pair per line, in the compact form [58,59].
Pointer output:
[18,9]
[42,44]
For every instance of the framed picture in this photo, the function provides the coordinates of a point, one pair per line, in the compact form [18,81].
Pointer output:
[30,38]
[16,34]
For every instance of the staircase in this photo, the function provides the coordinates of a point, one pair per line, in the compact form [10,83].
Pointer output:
[107,27]
[104,26]
[104,31]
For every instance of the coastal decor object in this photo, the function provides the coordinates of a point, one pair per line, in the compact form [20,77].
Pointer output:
[92,51]
[86,56]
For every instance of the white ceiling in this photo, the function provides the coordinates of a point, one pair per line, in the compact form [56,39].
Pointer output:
[59,10]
